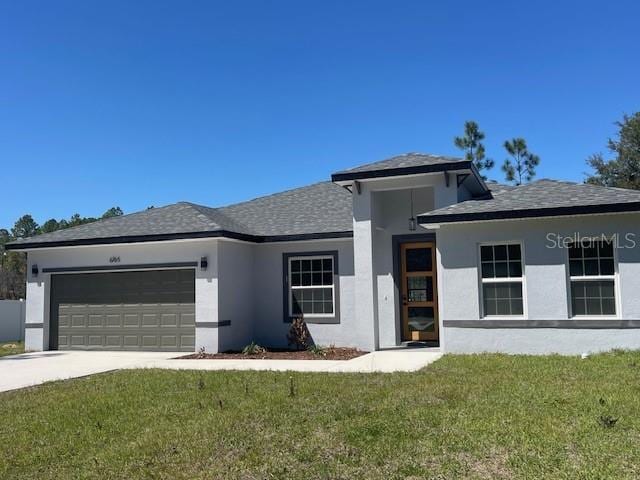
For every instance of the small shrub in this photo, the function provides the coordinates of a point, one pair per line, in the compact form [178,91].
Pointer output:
[299,334]
[253,349]
[318,350]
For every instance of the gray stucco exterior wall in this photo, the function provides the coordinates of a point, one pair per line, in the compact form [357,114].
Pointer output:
[235,289]
[538,341]
[546,287]
[269,325]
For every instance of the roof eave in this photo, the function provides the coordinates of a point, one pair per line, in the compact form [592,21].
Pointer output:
[431,220]
[348,177]
[22,246]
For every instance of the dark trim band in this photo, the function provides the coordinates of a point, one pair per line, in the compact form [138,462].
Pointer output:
[604,324]
[307,236]
[400,171]
[137,266]
[223,323]
[531,213]
[178,236]
[34,325]
[318,320]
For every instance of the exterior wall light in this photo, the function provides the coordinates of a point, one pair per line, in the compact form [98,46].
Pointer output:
[203,263]
[412,219]
[34,270]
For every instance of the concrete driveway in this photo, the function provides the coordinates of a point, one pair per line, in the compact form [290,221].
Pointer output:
[28,369]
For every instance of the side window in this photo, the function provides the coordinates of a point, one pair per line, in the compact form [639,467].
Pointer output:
[592,278]
[502,275]
[311,286]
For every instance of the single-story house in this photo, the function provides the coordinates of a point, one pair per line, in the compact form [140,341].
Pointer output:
[416,248]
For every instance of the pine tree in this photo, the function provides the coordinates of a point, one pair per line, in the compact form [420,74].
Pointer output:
[523,167]
[472,145]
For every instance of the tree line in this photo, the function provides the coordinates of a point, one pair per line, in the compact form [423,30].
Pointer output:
[622,169]
[13,265]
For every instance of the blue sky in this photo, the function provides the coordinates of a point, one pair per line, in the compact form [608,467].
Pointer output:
[148,103]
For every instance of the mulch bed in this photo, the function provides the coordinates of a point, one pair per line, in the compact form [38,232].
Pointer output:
[332,353]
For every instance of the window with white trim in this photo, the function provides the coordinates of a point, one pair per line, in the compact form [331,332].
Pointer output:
[501,280]
[592,277]
[311,286]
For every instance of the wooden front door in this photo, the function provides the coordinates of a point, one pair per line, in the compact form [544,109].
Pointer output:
[419,291]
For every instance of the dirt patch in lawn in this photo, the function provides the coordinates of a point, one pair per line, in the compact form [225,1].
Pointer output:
[278,354]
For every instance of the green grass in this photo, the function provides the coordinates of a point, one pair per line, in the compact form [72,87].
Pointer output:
[11,348]
[487,416]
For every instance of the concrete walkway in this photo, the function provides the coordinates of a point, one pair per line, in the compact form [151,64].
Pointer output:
[28,369]
[400,360]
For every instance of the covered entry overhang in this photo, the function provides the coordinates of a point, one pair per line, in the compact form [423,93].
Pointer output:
[396,261]
[454,171]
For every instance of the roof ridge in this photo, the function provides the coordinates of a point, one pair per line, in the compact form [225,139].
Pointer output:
[200,213]
[218,211]
[406,154]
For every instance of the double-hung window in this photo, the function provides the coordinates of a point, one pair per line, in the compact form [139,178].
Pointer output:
[501,280]
[312,286]
[592,277]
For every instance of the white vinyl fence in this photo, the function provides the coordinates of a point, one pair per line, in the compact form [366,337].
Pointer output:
[12,315]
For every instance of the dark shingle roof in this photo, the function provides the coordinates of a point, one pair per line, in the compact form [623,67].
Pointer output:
[497,188]
[415,164]
[180,217]
[321,208]
[540,198]
[325,210]
[403,161]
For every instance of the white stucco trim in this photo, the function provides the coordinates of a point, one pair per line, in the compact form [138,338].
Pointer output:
[616,286]
[522,279]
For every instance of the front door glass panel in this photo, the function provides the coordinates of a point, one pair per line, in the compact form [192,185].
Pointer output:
[419,292]
[421,319]
[420,289]
[418,260]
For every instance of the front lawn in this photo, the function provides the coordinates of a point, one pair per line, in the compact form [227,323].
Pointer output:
[11,348]
[486,416]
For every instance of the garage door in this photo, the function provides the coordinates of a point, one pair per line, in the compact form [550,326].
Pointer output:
[146,310]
